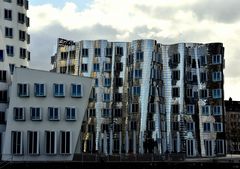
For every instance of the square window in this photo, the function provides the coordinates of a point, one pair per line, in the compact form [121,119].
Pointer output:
[10,50]
[76,90]
[19,113]
[36,113]
[58,90]
[39,90]
[206,127]
[53,114]
[23,90]
[70,113]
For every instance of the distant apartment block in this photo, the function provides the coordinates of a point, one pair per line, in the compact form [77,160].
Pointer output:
[149,97]
[45,114]
[232,124]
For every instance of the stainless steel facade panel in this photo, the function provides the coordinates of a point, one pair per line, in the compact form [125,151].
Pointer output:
[148,99]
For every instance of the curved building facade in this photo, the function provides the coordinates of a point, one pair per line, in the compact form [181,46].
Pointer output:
[149,97]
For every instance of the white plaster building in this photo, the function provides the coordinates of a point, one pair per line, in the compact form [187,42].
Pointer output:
[14,48]
[45,114]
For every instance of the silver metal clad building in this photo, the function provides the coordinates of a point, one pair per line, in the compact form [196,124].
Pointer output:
[149,97]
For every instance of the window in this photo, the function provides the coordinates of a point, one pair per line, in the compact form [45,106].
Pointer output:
[11,67]
[136,90]
[58,90]
[107,82]
[3,96]
[190,126]
[219,146]
[134,108]
[28,55]
[217,110]
[17,142]
[1,55]
[70,113]
[27,21]
[91,112]
[65,142]
[106,97]
[72,54]
[63,69]
[96,82]
[204,93]
[206,127]
[8,32]
[217,76]
[36,113]
[23,90]
[175,125]
[105,127]
[175,108]
[133,125]
[190,109]
[8,1]
[53,113]
[96,67]
[108,52]
[117,112]
[176,58]
[50,142]
[22,35]
[151,125]
[8,14]
[84,52]
[175,92]
[189,92]
[118,82]
[76,90]
[39,90]
[117,127]
[217,59]
[91,128]
[20,2]
[21,18]
[23,53]
[203,77]
[139,56]
[217,93]
[33,142]
[138,73]
[117,97]
[189,76]
[97,52]
[107,67]
[152,107]
[64,55]
[2,117]
[218,127]
[26,4]
[206,110]
[19,113]
[10,50]
[203,60]
[176,75]
[84,67]
[106,113]
[119,51]
[119,66]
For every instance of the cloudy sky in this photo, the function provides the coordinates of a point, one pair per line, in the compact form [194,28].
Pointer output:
[167,21]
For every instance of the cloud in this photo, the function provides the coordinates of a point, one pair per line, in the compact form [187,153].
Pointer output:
[218,10]
[43,43]
[168,22]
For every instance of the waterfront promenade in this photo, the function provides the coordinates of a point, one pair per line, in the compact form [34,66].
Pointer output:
[146,162]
